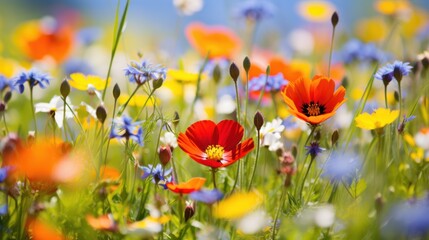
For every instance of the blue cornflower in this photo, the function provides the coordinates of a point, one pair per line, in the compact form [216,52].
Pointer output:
[207,196]
[314,149]
[158,174]
[355,50]
[255,10]
[3,173]
[144,71]
[386,72]
[33,77]
[4,83]
[3,210]
[342,167]
[273,83]
[409,218]
[124,128]
[405,120]
[76,65]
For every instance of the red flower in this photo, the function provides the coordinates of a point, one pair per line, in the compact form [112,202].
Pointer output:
[194,184]
[215,145]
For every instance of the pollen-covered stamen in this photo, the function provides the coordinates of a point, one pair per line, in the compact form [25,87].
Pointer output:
[313,109]
[215,152]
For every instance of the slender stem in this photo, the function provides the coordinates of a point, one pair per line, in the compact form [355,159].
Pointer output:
[197,91]
[5,124]
[276,218]
[144,105]
[246,100]
[237,99]
[33,111]
[330,52]
[128,100]
[273,98]
[334,190]
[256,161]
[214,177]
[385,96]
[400,100]
[108,136]
[305,177]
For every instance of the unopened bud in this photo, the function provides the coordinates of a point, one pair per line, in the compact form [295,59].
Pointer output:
[2,106]
[425,63]
[317,136]
[116,91]
[234,72]
[246,64]
[164,155]
[65,88]
[157,83]
[379,202]
[268,70]
[294,150]
[189,210]
[258,120]
[396,96]
[397,74]
[176,119]
[101,114]
[335,19]
[7,96]
[334,138]
[217,74]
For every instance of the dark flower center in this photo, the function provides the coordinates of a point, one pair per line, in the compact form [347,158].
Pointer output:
[313,109]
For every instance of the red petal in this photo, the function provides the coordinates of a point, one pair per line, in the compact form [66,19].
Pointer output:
[203,133]
[230,134]
[240,151]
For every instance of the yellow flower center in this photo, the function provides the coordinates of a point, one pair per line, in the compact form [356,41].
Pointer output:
[215,152]
[312,109]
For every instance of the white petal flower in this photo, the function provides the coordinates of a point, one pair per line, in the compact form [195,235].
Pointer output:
[169,139]
[188,7]
[55,107]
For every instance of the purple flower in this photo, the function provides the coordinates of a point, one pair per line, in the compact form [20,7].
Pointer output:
[255,10]
[3,210]
[144,71]
[159,175]
[4,83]
[207,196]
[386,72]
[355,50]
[124,128]
[273,83]
[33,77]
[314,149]
[342,167]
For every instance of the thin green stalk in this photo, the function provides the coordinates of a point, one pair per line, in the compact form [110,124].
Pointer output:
[246,101]
[334,191]
[4,122]
[385,96]
[305,177]
[276,218]
[197,91]
[144,104]
[33,111]
[128,100]
[330,51]
[64,119]
[108,138]
[400,100]
[117,35]
[256,161]
[213,170]
[273,98]
[237,99]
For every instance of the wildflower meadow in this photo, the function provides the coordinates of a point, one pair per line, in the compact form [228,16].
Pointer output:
[193,119]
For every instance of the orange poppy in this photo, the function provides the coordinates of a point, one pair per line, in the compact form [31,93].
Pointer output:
[290,70]
[218,41]
[313,101]
[103,223]
[38,41]
[194,184]
[38,230]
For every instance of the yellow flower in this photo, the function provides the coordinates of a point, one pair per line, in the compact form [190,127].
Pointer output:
[137,100]
[85,83]
[237,205]
[378,119]
[414,23]
[371,30]
[391,7]
[8,67]
[316,11]
[183,76]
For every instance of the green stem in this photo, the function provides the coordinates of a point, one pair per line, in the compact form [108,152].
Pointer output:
[4,122]
[214,177]
[197,91]
[334,191]
[33,111]
[237,99]
[273,98]
[256,161]
[128,100]
[400,100]
[385,95]
[276,218]
[305,177]
[330,52]
[108,136]
[144,105]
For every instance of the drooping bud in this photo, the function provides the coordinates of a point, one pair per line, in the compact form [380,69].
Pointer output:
[396,96]
[164,155]
[294,150]
[334,19]
[65,88]
[7,96]
[379,202]
[258,120]
[176,119]
[157,83]
[116,91]
[334,138]
[2,106]
[217,74]
[189,210]
[246,64]
[425,63]
[101,114]
[397,74]
[234,72]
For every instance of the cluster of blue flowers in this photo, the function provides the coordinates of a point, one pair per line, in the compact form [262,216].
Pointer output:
[355,50]
[255,10]
[159,175]
[124,127]
[142,72]
[386,72]
[271,83]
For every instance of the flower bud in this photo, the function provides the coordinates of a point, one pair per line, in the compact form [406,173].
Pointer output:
[157,83]
[7,97]
[397,74]
[189,210]
[334,19]
[334,138]
[258,120]
[246,64]
[294,150]
[101,114]
[379,202]
[65,88]
[234,72]
[176,119]
[425,63]
[164,155]
[116,91]
[2,106]
[217,74]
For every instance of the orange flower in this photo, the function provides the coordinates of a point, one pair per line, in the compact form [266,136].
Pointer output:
[194,184]
[37,39]
[313,101]
[218,41]
[38,230]
[103,223]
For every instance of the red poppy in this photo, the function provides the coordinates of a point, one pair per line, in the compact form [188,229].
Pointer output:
[215,145]
[194,184]
[313,101]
